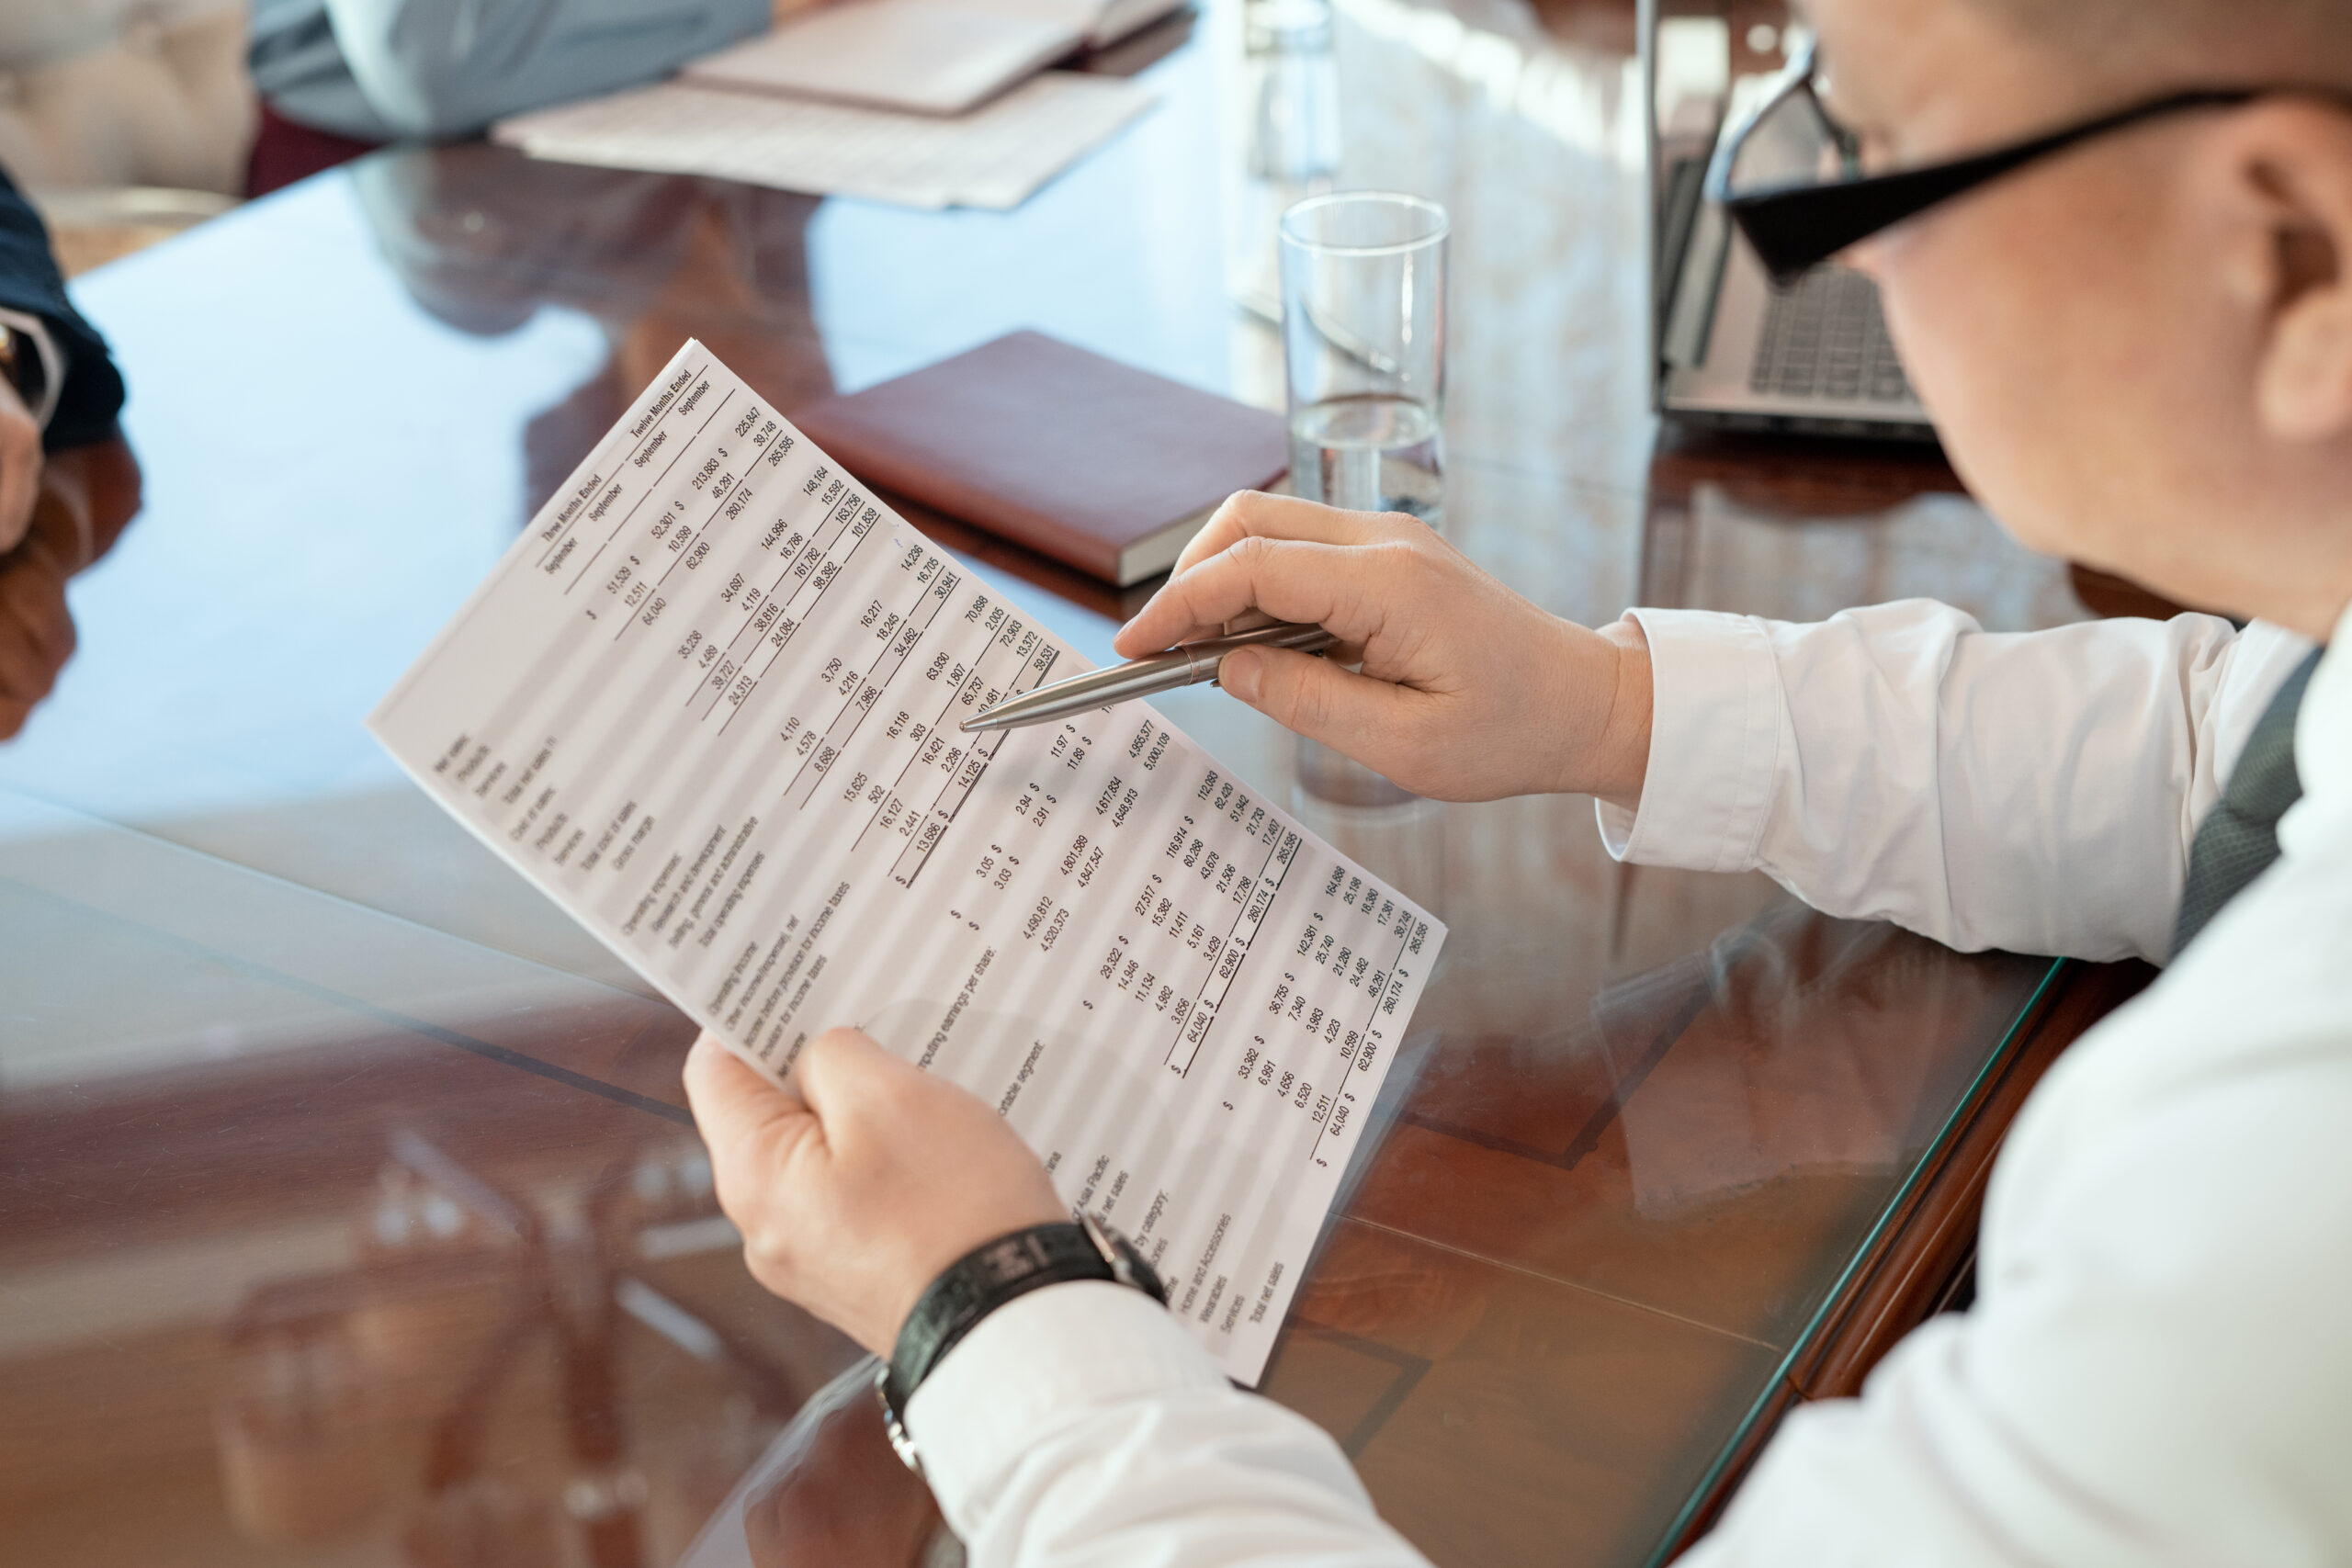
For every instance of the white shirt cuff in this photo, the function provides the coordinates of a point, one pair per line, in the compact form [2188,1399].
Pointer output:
[52,361]
[1044,1361]
[1714,744]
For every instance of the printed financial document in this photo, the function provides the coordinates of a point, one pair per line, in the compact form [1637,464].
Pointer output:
[710,703]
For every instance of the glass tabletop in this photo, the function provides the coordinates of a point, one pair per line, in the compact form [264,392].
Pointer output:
[351,1211]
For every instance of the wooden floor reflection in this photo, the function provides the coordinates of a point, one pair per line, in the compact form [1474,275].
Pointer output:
[372,1309]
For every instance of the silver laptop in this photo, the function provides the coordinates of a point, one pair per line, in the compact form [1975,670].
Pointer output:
[1733,350]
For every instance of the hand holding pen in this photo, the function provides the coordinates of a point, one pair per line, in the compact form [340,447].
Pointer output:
[1186,666]
[1439,676]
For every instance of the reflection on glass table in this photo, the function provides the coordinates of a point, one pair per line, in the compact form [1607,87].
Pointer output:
[347,1230]
[349,1240]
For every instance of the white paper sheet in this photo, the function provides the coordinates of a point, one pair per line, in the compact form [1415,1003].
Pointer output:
[995,156]
[929,56]
[710,703]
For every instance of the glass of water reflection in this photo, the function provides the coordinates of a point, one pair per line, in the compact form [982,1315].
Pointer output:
[1363,344]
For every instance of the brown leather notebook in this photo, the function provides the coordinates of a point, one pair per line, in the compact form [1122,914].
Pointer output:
[1107,467]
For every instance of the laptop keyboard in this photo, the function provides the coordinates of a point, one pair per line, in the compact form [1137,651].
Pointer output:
[1825,337]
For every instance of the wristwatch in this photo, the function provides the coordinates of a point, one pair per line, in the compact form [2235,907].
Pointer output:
[984,1279]
[28,361]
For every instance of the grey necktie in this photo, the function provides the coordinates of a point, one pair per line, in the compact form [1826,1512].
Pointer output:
[2239,838]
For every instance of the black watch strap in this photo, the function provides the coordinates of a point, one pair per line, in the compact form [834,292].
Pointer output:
[988,1278]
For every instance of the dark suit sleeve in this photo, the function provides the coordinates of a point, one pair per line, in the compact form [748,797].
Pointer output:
[30,281]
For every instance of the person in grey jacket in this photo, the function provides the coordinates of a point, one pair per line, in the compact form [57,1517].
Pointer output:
[339,76]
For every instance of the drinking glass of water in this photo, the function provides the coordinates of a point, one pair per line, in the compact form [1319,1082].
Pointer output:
[1363,346]
[1364,349]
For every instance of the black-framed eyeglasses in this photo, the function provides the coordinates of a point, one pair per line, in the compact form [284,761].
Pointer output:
[1793,177]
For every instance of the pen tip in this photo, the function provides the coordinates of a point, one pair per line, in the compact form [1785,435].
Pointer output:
[973,725]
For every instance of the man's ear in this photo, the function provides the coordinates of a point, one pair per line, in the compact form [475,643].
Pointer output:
[2284,212]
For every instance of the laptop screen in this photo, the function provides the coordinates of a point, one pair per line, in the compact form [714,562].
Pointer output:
[1692,55]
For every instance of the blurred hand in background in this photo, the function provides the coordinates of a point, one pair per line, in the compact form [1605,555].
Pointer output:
[20,465]
[79,501]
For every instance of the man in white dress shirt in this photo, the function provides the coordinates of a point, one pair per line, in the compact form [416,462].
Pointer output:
[2137,341]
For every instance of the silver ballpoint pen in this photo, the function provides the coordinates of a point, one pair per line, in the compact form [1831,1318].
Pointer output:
[1186,666]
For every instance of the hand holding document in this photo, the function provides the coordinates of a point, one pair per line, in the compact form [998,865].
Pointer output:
[711,703]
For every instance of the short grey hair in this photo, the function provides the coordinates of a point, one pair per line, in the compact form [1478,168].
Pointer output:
[2204,41]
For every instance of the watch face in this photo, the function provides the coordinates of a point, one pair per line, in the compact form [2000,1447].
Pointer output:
[1014,1257]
